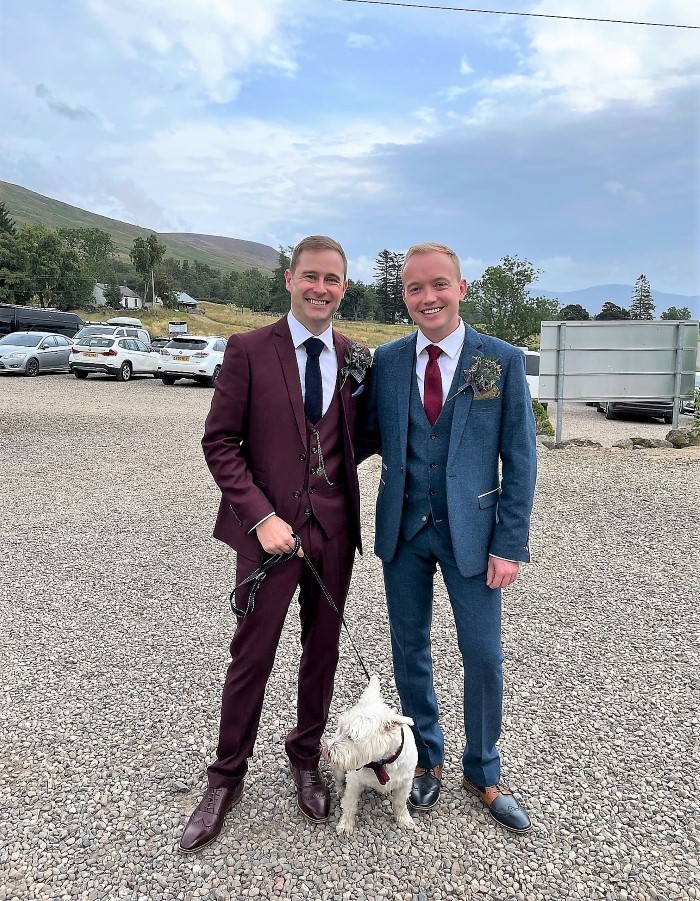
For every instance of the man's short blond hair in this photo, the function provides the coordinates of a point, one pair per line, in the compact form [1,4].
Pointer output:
[317,242]
[430,247]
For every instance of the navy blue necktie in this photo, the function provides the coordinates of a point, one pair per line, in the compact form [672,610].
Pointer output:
[313,386]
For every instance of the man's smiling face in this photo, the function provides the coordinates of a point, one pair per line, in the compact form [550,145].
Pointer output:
[317,286]
[432,291]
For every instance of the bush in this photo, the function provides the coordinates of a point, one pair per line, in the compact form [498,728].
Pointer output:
[542,424]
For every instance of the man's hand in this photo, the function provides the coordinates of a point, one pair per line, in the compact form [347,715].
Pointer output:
[275,535]
[501,573]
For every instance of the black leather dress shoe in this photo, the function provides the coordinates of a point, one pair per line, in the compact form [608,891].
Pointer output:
[426,788]
[207,821]
[502,805]
[313,797]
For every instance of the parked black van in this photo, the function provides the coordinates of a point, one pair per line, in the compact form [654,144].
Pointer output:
[36,319]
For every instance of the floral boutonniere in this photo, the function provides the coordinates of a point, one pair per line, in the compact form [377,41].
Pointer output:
[481,377]
[358,360]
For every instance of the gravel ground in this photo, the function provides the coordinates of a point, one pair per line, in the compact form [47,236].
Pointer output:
[114,631]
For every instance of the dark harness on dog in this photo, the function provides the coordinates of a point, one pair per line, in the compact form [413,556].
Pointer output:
[379,766]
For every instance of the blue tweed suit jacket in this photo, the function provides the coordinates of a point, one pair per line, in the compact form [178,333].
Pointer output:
[489,505]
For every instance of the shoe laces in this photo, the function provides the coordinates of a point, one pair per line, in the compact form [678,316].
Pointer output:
[210,799]
[315,777]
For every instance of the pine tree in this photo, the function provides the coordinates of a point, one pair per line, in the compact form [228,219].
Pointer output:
[642,306]
[7,223]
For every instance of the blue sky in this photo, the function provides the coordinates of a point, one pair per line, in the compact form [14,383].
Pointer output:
[572,144]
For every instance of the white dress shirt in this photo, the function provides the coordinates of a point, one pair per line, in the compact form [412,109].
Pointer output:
[451,348]
[328,360]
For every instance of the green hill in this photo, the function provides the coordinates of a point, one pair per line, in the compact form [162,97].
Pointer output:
[28,208]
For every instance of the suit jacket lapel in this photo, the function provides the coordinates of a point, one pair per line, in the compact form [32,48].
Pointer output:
[405,373]
[290,371]
[463,401]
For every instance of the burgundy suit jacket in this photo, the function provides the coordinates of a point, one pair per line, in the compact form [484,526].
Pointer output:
[255,442]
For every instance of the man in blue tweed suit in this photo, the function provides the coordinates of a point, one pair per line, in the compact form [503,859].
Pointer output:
[446,406]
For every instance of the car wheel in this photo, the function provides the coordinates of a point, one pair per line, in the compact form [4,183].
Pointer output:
[79,374]
[124,373]
[32,367]
[609,411]
[167,380]
[215,375]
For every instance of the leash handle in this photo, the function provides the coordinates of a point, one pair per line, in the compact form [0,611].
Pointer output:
[258,576]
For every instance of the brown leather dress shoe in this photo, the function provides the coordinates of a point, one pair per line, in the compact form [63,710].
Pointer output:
[206,822]
[313,797]
[502,804]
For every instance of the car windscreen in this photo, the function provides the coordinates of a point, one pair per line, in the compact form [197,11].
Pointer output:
[21,339]
[100,342]
[186,344]
[95,330]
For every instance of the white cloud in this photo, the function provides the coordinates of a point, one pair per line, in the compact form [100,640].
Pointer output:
[464,67]
[266,171]
[205,46]
[617,189]
[360,41]
[452,93]
[590,65]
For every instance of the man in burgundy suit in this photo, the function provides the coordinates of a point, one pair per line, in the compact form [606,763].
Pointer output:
[279,443]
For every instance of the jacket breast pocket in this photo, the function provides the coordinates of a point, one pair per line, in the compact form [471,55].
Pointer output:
[486,406]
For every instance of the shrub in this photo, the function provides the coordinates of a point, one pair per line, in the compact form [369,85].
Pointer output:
[542,424]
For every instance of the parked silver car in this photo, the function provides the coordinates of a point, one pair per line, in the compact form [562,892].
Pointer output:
[30,353]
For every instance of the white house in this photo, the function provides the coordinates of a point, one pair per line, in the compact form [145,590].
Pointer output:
[130,299]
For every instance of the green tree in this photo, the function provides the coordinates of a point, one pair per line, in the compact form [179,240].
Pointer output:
[642,306]
[502,298]
[7,223]
[676,313]
[252,290]
[94,249]
[44,271]
[113,296]
[611,311]
[145,256]
[359,301]
[277,291]
[388,285]
[573,312]
[14,286]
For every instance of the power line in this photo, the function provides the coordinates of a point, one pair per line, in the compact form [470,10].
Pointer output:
[505,12]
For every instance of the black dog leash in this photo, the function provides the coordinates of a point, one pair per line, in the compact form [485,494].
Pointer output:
[256,577]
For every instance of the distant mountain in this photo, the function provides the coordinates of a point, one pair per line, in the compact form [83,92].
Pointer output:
[29,208]
[592,299]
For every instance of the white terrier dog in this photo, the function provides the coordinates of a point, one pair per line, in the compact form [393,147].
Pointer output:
[373,747]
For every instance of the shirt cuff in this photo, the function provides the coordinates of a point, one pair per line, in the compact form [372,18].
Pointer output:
[495,556]
[261,522]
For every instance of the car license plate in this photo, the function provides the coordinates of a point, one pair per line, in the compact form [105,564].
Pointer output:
[181,359]
[90,355]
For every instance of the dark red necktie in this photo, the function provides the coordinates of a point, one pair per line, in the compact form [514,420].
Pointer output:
[432,385]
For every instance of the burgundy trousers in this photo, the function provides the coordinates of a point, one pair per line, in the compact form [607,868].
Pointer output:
[254,646]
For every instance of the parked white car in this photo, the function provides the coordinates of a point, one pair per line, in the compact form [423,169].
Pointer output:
[196,357]
[532,373]
[120,357]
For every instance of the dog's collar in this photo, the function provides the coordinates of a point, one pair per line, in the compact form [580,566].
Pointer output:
[379,766]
